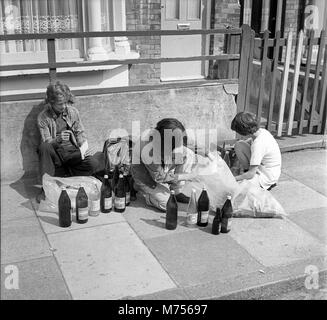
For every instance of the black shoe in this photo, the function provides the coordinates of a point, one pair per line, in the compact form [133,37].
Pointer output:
[272,186]
[40,196]
[182,198]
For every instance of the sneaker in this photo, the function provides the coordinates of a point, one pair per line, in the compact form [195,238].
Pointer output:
[182,198]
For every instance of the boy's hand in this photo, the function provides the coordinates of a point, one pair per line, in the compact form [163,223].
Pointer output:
[63,136]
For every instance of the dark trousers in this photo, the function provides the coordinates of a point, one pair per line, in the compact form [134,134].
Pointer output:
[51,164]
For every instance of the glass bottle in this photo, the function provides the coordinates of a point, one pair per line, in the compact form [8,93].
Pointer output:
[203,208]
[64,206]
[120,196]
[82,206]
[106,195]
[171,212]
[192,211]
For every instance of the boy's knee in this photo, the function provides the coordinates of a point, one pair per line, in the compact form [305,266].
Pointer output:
[239,145]
[92,164]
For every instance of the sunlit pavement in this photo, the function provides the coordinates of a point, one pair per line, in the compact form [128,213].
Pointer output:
[133,256]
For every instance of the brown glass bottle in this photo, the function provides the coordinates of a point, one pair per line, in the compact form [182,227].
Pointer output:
[106,195]
[127,189]
[216,223]
[226,215]
[64,206]
[171,212]
[227,159]
[82,206]
[120,196]
[203,209]
[115,177]
[111,177]
[133,191]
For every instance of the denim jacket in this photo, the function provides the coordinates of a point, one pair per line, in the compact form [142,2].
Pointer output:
[46,121]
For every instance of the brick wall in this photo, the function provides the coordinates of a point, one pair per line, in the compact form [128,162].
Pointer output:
[227,13]
[144,15]
[294,10]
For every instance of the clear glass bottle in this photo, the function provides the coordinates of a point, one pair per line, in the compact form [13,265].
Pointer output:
[192,211]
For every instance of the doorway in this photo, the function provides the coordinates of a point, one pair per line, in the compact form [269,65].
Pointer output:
[184,15]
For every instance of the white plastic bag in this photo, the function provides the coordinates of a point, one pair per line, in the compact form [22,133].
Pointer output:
[52,189]
[216,177]
[251,201]
[248,200]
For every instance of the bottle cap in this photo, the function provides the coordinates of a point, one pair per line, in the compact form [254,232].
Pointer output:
[106,176]
[63,188]
[121,176]
[194,190]
[172,192]
[229,197]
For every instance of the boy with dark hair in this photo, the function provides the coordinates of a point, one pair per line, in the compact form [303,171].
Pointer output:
[259,155]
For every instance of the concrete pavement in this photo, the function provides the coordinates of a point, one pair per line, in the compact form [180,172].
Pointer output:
[133,256]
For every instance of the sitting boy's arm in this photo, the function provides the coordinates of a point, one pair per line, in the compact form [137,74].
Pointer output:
[247,175]
[45,132]
[78,128]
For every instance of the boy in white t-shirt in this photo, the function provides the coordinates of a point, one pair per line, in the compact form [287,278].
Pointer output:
[259,155]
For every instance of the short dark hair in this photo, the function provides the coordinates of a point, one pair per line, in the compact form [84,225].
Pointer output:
[58,88]
[245,123]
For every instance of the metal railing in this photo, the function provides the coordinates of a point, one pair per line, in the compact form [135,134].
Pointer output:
[52,65]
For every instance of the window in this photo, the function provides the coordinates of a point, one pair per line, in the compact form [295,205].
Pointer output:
[55,16]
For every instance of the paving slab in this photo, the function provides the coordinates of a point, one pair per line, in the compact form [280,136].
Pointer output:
[38,279]
[258,284]
[107,262]
[50,221]
[301,142]
[308,167]
[170,294]
[196,257]
[14,205]
[275,241]
[22,239]
[294,196]
[149,222]
[313,221]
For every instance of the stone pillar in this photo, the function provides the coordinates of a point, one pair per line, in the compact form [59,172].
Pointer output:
[247,10]
[265,15]
[96,50]
[122,46]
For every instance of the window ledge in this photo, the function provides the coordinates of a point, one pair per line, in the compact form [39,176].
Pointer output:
[111,56]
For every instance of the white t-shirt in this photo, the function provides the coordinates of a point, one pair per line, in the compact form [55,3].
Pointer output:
[265,153]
